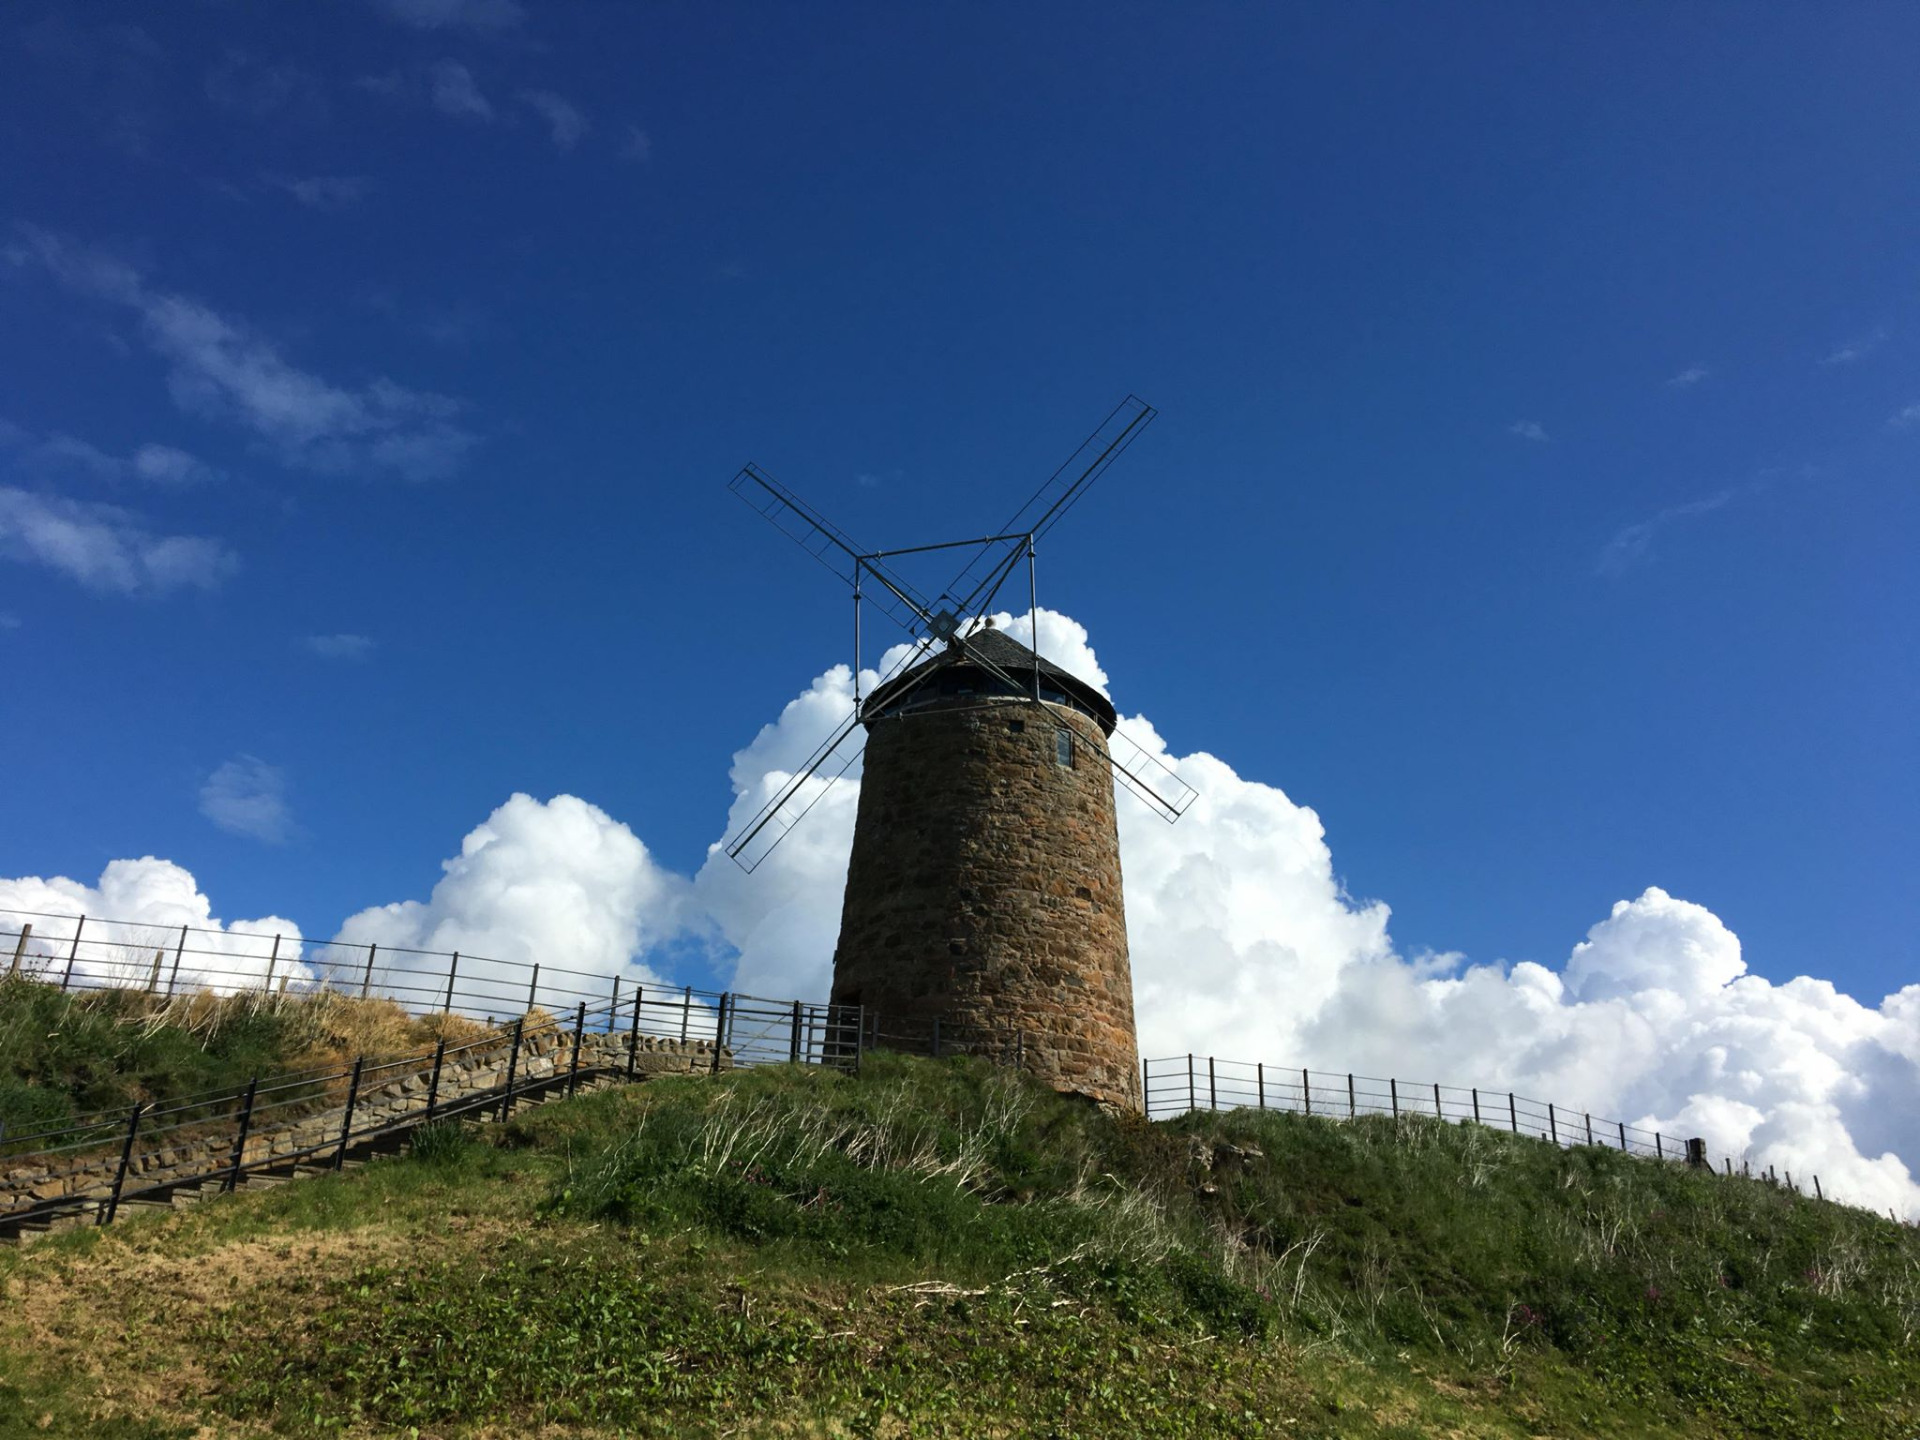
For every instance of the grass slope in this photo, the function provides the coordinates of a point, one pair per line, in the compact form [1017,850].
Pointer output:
[944,1249]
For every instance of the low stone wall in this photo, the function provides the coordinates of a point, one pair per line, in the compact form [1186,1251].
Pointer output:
[204,1147]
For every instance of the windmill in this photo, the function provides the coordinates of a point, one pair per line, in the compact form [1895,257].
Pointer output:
[983,901]
[874,583]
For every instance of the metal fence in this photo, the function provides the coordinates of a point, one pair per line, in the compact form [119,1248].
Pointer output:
[1179,1084]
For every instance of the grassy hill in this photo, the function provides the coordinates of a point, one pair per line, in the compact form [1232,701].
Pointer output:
[945,1249]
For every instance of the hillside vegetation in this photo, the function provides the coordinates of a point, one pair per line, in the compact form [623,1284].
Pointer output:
[64,1053]
[945,1249]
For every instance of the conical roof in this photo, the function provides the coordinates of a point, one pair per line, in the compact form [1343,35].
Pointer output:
[955,673]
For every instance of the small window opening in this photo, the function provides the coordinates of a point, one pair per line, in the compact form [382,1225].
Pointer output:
[1018,727]
[1063,747]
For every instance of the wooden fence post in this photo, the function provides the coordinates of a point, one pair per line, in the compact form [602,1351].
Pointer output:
[1438,1113]
[1513,1112]
[633,1029]
[1623,1136]
[1191,1103]
[1306,1091]
[1353,1102]
[793,1040]
[1553,1123]
[453,968]
[366,980]
[1260,1081]
[73,953]
[1476,1104]
[173,977]
[533,988]
[513,1064]
[20,948]
[1393,1089]
[273,959]
[1213,1088]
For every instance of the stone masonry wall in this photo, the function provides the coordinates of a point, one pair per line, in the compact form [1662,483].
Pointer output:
[984,889]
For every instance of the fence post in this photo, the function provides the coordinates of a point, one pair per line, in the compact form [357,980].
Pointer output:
[1213,1089]
[936,1037]
[613,1005]
[1306,1091]
[453,968]
[720,1028]
[1192,1104]
[105,1217]
[533,988]
[513,1065]
[1659,1147]
[1589,1129]
[579,1032]
[153,975]
[1146,1087]
[366,980]
[1353,1102]
[1476,1104]
[346,1123]
[633,1029]
[273,959]
[1260,1081]
[1513,1113]
[686,1009]
[20,948]
[1553,1123]
[73,953]
[173,976]
[1438,1113]
[859,1036]
[1393,1087]
[240,1140]
[793,1040]
[1623,1137]
[1817,1193]
[433,1085]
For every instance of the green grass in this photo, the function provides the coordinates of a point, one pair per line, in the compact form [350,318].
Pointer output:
[945,1249]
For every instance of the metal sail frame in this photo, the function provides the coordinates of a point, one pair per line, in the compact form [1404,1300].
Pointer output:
[966,596]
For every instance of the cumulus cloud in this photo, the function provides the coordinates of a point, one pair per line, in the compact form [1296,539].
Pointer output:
[558,882]
[134,912]
[1688,377]
[1528,430]
[220,369]
[456,93]
[106,548]
[340,647]
[246,796]
[565,120]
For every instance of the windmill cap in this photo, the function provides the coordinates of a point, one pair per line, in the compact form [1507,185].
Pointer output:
[943,678]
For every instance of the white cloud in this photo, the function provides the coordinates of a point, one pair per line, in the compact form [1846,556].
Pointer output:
[168,465]
[1910,415]
[322,192]
[1528,430]
[1690,376]
[1634,543]
[153,899]
[220,369]
[246,796]
[340,647]
[457,93]
[558,882]
[454,14]
[637,146]
[1854,350]
[63,455]
[106,548]
[564,119]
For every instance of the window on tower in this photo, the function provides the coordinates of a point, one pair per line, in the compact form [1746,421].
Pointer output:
[1063,747]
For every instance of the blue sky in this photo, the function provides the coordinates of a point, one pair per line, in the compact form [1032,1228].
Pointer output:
[1532,495]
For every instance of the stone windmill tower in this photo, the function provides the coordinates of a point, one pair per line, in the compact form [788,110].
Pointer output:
[983,898]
